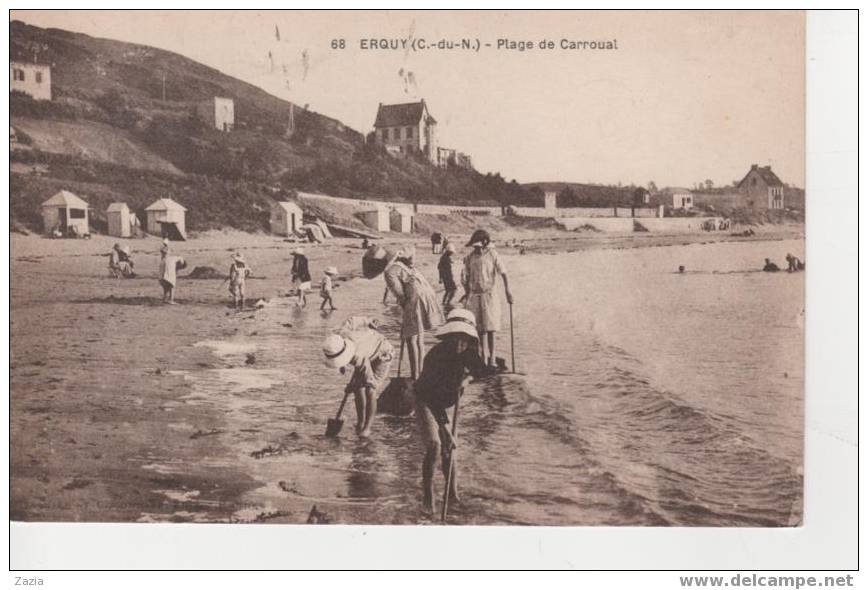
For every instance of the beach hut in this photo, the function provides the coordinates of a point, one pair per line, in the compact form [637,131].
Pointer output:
[376,218]
[401,220]
[120,220]
[166,218]
[286,218]
[66,213]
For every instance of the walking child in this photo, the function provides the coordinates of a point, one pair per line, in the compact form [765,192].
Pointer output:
[444,267]
[327,287]
[448,365]
[238,273]
[368,354]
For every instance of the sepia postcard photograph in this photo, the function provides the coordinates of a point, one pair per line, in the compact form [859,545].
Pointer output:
[408,267]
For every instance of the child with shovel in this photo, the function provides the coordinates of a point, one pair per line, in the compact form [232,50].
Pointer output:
[447,367]
[368,354]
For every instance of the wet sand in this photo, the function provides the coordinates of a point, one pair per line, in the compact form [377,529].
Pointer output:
[123,409]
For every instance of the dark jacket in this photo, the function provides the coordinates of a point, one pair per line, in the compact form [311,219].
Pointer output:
[439,385]
[300,269]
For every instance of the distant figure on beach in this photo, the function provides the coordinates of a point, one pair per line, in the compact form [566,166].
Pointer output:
[418,301]
[169,266]
[238,273]
[479,278]
[121,262]
[436,242]
[794,264]
[770,266]
[369,355]
[326,288]
[300,275]
[441,383]
[681,269]
[365,244]
[445,268]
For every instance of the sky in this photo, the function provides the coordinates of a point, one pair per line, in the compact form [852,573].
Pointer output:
[685,97]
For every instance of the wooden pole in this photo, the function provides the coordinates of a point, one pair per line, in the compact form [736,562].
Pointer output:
[449,472]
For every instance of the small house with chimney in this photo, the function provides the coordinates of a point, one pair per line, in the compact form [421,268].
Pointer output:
[407,128]
[33,80]
[762,189]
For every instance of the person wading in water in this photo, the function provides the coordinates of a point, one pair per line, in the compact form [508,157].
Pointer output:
[447,366]
[479,279]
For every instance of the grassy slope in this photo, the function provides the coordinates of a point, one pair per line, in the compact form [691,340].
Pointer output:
[114,138]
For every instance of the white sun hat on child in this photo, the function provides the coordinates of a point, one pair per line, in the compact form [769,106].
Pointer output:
[338,351]
[459,321]
[331,270]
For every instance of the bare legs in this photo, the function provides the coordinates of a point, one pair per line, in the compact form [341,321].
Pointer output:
[366,409]
[486,348]
[416,352]
[432,450]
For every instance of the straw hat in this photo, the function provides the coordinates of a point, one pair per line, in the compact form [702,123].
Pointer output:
[479,235]
[238,257]
[330,270]
[450,248]
[338,351]
[459,321]
[298,252]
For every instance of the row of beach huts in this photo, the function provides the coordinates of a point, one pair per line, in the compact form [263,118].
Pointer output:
[67,215]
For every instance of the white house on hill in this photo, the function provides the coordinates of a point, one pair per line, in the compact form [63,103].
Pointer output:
[31,79]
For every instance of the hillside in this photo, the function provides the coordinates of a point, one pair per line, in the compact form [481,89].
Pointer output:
[108,122]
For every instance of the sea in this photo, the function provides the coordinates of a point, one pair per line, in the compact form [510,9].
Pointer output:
[642,396]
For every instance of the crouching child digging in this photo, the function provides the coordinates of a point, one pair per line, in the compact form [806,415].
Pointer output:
[368,354]
[446,369]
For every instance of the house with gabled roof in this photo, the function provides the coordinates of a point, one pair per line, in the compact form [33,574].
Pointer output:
[407,128]
[762,189]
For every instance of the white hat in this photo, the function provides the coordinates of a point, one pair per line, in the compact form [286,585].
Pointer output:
[450,247]
[408,252]
[298,252]
[330,270]
[459,321]
[238,256]
[338,351]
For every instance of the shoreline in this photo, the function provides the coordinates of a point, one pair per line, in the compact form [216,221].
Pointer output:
[105,380]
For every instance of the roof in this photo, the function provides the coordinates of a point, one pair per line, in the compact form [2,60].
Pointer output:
[675,190]
[164,205]
[287,205]
[765,172]
[117,207]
[65,199]
[395,115]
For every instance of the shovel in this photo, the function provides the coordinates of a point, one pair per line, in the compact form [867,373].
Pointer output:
[334,425]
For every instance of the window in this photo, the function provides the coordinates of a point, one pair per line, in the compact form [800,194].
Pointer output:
[18,75]
[409,133]
[76,213]
[39,77]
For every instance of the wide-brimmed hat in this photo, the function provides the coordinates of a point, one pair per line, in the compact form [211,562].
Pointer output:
[330,270]
[238,257]
[338,351]
[298,252]
[479,235]
[450,248]
[459,321]
[408,252]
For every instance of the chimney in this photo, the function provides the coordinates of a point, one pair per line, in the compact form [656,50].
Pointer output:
[754,166]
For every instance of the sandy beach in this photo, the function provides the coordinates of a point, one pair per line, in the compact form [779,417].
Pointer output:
[123,409]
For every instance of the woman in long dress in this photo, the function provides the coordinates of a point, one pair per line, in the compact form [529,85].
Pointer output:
[419,304]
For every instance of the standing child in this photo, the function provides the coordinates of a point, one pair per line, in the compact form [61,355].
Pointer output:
[300,275]
[369,355]
[238,273]
[169,266]
[327,287]
[446,275]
